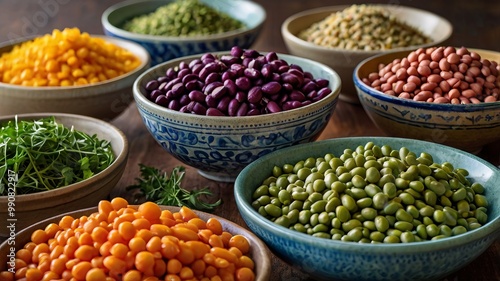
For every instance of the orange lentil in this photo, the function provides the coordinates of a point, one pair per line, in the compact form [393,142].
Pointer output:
[123,242]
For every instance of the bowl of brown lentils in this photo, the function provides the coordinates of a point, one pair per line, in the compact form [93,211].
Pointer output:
[218,112]
[447,95]
[342,36]
[170,29]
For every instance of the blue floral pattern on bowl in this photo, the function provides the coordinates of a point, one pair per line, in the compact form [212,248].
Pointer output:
[163,48]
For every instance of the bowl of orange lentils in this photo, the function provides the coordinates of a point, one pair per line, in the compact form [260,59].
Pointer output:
[119,241]
[69,71]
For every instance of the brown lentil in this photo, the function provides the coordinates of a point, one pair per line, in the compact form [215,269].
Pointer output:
[440,75]
[363,27]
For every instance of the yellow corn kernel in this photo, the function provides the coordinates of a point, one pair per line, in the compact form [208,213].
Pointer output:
[52,66]
[40,82]
[65,82]
[77,73]
[62,75]
[26,74]
[82,53]
[81,81]
[53,82]
[72,61]
[94,80]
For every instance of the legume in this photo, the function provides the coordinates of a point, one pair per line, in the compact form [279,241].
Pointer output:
[363,27]
[242,83]
[439,75]
[123,242]
[183,18]
[410,204]
[65,58]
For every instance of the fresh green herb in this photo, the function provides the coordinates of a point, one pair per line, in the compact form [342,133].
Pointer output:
[46,155]
[164,189]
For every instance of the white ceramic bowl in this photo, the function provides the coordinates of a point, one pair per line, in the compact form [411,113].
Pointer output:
[34,207]
[344,61]
[104,100]
[220,146]
[164,48]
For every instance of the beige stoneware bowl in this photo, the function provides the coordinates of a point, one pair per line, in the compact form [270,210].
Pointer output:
[344,61]
[258,250]
[465,126]
[32,208]
[104,100]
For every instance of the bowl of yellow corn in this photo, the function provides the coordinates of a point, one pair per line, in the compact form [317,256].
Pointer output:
[69,71]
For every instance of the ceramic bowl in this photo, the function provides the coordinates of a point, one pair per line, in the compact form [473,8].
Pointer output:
[104,100]
[344,61]
[258,250]
[219,146]
[164,48]
[326,259]
[464,126]
[32,208]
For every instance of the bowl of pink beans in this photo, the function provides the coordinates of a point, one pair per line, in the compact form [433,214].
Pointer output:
[218,112]
[447,95]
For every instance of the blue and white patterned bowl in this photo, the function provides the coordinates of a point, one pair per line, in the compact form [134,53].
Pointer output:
[325,259]
[164,48]
[220,147]
[464,126]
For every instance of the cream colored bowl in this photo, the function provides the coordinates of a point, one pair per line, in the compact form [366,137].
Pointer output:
[104,100]
[344,61]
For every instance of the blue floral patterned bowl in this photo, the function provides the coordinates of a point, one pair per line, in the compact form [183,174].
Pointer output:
[464,126]
[163,48]
[326,259]
[220,147]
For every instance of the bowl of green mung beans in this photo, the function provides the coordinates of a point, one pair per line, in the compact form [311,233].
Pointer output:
[169,29]
[52,163]
[344,35]
[372,208]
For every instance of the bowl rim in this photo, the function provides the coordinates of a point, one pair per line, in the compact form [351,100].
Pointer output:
[139,51]
[292,37]
[103,175]
[265,260]
[363,88]
[157,38]
[246,210]
[141,99]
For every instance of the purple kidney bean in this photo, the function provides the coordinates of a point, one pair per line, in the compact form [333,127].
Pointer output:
[171,73]
[273,107]
[210,87]
[290,78]
[254,94]
[266,71]
[243,83]
[251,73]
[183,72]
[255,64]
[210,101]
[212,77]
[197,68]
[171,83]
[286,87]
[155,94]
[188,77]
[214,112]
[199,109]
[250,53]
[322,83]
[242,110]
[163,79]
[161,100]
[271,56]
[178,89]
[152,85]
[309,87]
[231,87]
[230,74]
[197,96]
[253,112]
[224,103]
[236,51]
[184,100]
[233,107]
[219,92]
[297,95]
[194,85]
[174,105]
[229,60]
[271,88]
[241,96]
[238,69]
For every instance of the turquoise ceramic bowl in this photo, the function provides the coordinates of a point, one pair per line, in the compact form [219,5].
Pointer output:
[220,147]
[164,48]
[465,126]
[327,259]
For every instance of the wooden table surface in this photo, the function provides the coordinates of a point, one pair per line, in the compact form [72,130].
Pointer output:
[476,25]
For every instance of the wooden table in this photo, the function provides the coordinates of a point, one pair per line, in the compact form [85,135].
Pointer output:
[476,25]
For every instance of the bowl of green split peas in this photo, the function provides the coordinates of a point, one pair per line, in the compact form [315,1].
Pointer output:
[170,29]
[372,208]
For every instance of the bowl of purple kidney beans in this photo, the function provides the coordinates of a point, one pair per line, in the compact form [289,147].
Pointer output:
[218,112]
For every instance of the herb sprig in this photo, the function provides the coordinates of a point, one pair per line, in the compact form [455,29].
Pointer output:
[165,189]
[46,155]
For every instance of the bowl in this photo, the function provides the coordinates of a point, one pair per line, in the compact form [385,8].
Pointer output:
[34,207]
[344,61]
[465,126]
[326,259]
[258,250]
[164,48]
[220,146]
[104,100]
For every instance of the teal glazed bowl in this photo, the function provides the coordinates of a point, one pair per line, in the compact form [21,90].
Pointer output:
[219,147]
[326,259]
[165,48]
[465,126]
